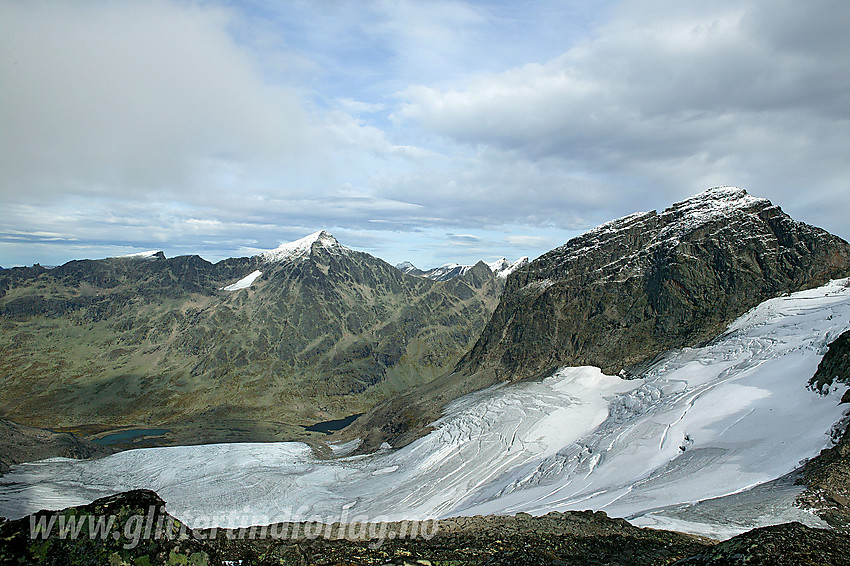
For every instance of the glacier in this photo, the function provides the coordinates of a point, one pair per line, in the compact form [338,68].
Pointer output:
[700,428]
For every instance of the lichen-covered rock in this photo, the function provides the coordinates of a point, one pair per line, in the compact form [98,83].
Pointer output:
[790,544]
[570,538]
[129,528]
[573,537]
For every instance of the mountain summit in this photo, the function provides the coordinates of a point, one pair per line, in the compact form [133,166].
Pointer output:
[633,288]
[502,267]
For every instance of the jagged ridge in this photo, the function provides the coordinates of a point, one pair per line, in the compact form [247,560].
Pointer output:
[501,268]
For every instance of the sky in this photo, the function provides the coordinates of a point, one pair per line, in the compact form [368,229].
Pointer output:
[432,131]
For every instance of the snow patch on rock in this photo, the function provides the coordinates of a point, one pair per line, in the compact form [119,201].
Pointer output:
[243,283]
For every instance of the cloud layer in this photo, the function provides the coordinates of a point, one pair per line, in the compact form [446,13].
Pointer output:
[223,128]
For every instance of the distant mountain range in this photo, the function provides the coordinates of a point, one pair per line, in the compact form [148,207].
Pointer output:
[501,268]
[247,348]
[256,347]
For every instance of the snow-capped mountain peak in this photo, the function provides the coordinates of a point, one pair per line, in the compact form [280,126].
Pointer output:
[407,267]
[303,247]
[447,271]
[729,207]
[684,216]
[708,206]
[502,267]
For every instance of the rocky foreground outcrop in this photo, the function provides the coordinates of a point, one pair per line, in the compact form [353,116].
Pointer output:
[134,528]
[626,292]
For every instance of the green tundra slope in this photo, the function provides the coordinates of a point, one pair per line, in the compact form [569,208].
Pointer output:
[323,332]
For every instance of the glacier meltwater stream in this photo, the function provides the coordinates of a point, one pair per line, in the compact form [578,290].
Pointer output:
[701,423]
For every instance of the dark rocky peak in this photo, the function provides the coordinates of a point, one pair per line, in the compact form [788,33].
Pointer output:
[722,218]
[718,203]
[636,286]
[320,263]
[478,276]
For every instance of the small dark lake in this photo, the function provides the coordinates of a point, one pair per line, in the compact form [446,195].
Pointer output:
[129,435]
[328,427]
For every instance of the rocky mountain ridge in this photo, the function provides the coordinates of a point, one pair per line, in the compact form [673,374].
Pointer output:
[624,293]
[633,288]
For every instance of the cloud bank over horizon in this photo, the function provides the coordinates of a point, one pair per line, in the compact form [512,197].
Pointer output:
[221,128]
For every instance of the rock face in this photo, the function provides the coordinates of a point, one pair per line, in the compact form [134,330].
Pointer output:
[627,291]
[827,476]
[307,332]
[835,366]
[630,289]
[789,544]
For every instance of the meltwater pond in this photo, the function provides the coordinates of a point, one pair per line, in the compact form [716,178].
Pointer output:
[130,434]
[328,427]
[701,424]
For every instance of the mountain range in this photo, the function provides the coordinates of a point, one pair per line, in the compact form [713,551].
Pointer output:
[501,268]
[247,348]
[625,293]
[679,368]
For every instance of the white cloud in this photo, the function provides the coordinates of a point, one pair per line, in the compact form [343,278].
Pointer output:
[133,96]
[215,127]
[520,240]
[676,97]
